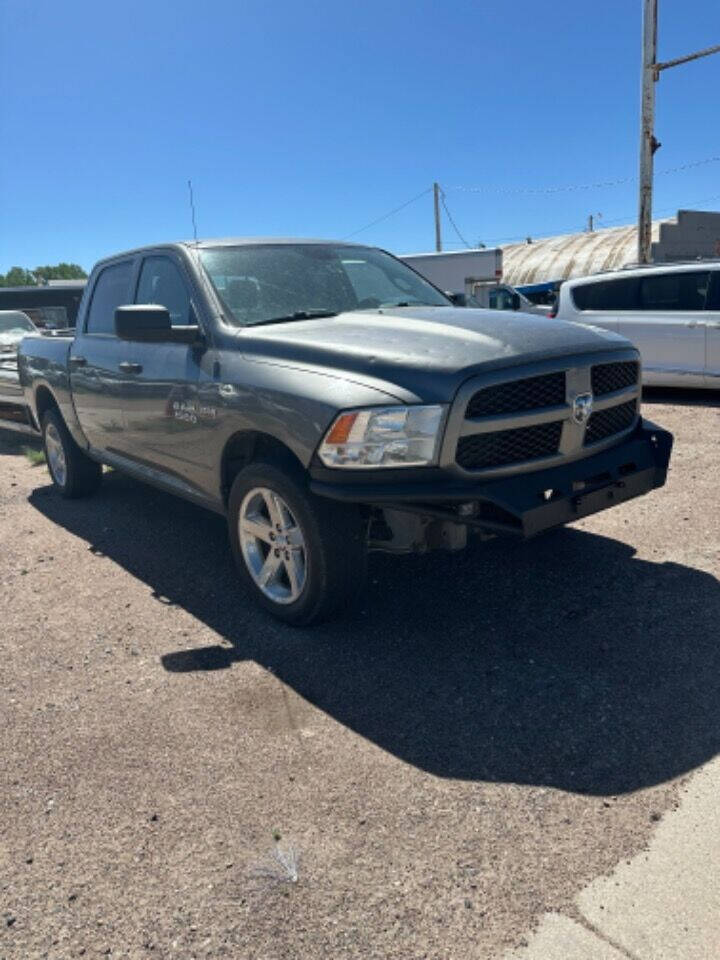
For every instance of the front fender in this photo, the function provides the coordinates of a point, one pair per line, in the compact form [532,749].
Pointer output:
[294,406]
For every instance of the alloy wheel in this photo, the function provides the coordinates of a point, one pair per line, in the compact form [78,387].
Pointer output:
[56,454]
[273,545]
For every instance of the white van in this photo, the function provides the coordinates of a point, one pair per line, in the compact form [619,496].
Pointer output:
[671,312]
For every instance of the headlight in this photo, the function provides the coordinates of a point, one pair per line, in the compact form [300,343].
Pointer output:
[397,436]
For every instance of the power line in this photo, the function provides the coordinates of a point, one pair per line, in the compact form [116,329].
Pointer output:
[386,216]
[449,216]
[568,188]
[627,220]
[517,190]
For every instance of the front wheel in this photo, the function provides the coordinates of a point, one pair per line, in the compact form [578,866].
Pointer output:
[73,473]
[303,558]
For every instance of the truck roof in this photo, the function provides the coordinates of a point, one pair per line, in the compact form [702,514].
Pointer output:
[226,242]
[241,241]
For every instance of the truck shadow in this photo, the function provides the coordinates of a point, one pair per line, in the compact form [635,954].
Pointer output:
[11,443]
[566,662]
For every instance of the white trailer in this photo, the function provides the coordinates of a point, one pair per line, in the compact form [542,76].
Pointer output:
[460,270]
[475,275]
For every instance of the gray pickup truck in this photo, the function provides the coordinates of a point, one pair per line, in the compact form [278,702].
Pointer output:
[330,401]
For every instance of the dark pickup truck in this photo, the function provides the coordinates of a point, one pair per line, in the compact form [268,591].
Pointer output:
[329,400]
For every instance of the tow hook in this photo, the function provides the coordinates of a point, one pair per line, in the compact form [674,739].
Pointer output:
[609,494]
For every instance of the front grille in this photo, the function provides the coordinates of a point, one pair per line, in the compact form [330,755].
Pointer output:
[516,396]
[604,423]
[607,377]
[502,448]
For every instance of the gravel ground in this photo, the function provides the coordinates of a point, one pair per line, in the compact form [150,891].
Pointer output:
[483,737]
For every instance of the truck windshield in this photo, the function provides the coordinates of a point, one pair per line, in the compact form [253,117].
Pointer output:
[266,283]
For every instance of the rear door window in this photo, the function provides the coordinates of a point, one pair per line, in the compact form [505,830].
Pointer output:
[618,294]
[674,291]
[112,290]
[713,299]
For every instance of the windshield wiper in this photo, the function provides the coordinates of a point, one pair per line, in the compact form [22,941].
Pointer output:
[408,303]
[297,315]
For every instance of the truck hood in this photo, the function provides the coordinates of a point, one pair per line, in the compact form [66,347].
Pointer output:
[426,351]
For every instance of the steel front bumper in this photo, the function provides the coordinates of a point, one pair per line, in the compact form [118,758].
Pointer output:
[526,504]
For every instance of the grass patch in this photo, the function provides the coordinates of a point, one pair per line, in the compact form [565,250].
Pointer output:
[35,456]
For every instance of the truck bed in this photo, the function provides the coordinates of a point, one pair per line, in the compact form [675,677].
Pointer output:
[49,352]
[14,412]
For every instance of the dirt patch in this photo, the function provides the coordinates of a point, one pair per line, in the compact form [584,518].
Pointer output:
[484,737]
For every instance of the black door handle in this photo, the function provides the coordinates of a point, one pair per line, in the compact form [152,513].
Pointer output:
[127,367]
[78,361]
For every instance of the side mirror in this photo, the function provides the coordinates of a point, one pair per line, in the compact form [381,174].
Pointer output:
[459,299]
[150,322]
[516,302]
[143,321]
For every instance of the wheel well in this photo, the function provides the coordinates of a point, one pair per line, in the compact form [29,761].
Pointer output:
[44,401]
[248,447]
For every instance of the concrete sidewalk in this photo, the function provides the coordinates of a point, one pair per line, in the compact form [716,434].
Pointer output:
[662,905]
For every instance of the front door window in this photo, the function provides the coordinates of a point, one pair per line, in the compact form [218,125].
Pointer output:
[161,282]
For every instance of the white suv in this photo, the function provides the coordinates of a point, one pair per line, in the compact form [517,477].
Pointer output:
[671,312]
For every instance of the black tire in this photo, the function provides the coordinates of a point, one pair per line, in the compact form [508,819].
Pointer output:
[334,550]
[81,476]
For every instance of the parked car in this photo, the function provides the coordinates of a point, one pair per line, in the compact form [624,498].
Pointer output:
[14,325]
[671,312]
[329,401]
[14,411]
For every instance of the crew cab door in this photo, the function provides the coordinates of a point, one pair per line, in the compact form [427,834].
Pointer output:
[712,332]
[95,358]
[165,424]
[669,326]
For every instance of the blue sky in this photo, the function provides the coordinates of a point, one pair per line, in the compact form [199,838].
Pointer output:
[315,118]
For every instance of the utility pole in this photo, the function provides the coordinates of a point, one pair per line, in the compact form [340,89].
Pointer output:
[438,237]
[648,144]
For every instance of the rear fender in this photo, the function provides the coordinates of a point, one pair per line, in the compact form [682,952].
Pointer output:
[42,397]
